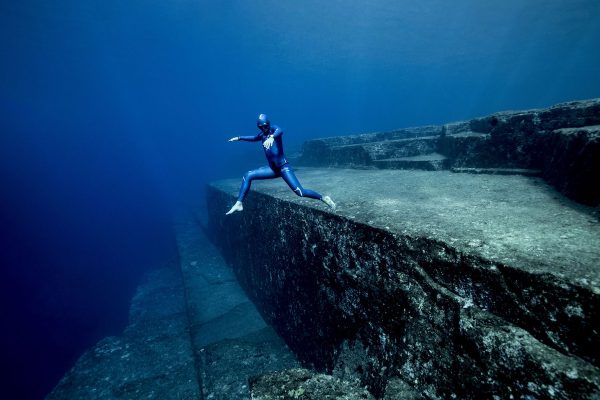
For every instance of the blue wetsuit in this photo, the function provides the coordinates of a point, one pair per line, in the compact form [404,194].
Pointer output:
[278,166]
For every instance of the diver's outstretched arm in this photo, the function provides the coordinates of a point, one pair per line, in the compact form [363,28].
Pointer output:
[246,138]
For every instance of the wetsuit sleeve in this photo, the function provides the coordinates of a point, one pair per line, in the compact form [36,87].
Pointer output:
[278,132]
[250,138]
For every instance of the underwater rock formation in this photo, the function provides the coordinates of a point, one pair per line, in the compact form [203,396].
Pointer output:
[424,284]
[303,384]
[153,359]
[230,340]
[560,143]
[193,334]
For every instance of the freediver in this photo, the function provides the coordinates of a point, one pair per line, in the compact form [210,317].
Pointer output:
[270,136]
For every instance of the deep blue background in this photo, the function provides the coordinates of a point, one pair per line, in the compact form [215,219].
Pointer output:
[115,113]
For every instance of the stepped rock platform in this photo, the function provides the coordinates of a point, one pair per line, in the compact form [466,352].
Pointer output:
[559,143]
[462,262]
[152,359]
[427,283]
[193,334]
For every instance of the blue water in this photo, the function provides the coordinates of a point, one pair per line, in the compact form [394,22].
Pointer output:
[115,113]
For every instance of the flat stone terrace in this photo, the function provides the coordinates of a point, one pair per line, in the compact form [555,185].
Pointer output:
[514,220]
[510,245]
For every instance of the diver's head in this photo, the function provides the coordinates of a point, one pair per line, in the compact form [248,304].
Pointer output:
[263,123]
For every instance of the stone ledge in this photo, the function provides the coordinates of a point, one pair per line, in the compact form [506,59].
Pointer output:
[429,162]
[562,141]
[499,171]
[457,284]
[229,337]
[153,359]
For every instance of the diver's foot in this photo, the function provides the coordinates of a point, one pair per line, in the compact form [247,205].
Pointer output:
[327,200]
[236,207]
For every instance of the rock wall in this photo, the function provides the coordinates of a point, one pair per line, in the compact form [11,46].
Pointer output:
[196,338]
[405,313]
[560,143]
[153,359]
[230,340]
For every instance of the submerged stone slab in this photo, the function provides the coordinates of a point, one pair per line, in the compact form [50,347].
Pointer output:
[429,162]
[153,359]
[573,162]
[217,306]
[562,141]
[435,283]
[229,365]
[230,339]
[499,171]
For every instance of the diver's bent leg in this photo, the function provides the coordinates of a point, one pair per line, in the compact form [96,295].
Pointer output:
[244,188]
[260,173]
[290,178]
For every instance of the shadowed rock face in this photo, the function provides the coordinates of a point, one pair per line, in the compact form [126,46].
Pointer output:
[560,143]
[424,283]
[303,384]
[229,338]
[193,338]
[153,359]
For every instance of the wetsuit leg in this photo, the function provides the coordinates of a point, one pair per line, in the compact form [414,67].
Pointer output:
[287,173]
[260,173]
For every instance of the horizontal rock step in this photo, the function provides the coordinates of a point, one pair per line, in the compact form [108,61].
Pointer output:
[562,141]
[457,284]
[152,359]
[498,171]
[427,162]
[230,339]
[369,152]
[405,133]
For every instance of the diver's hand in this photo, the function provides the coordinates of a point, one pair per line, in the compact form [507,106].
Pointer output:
[269,142]
[234,139]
